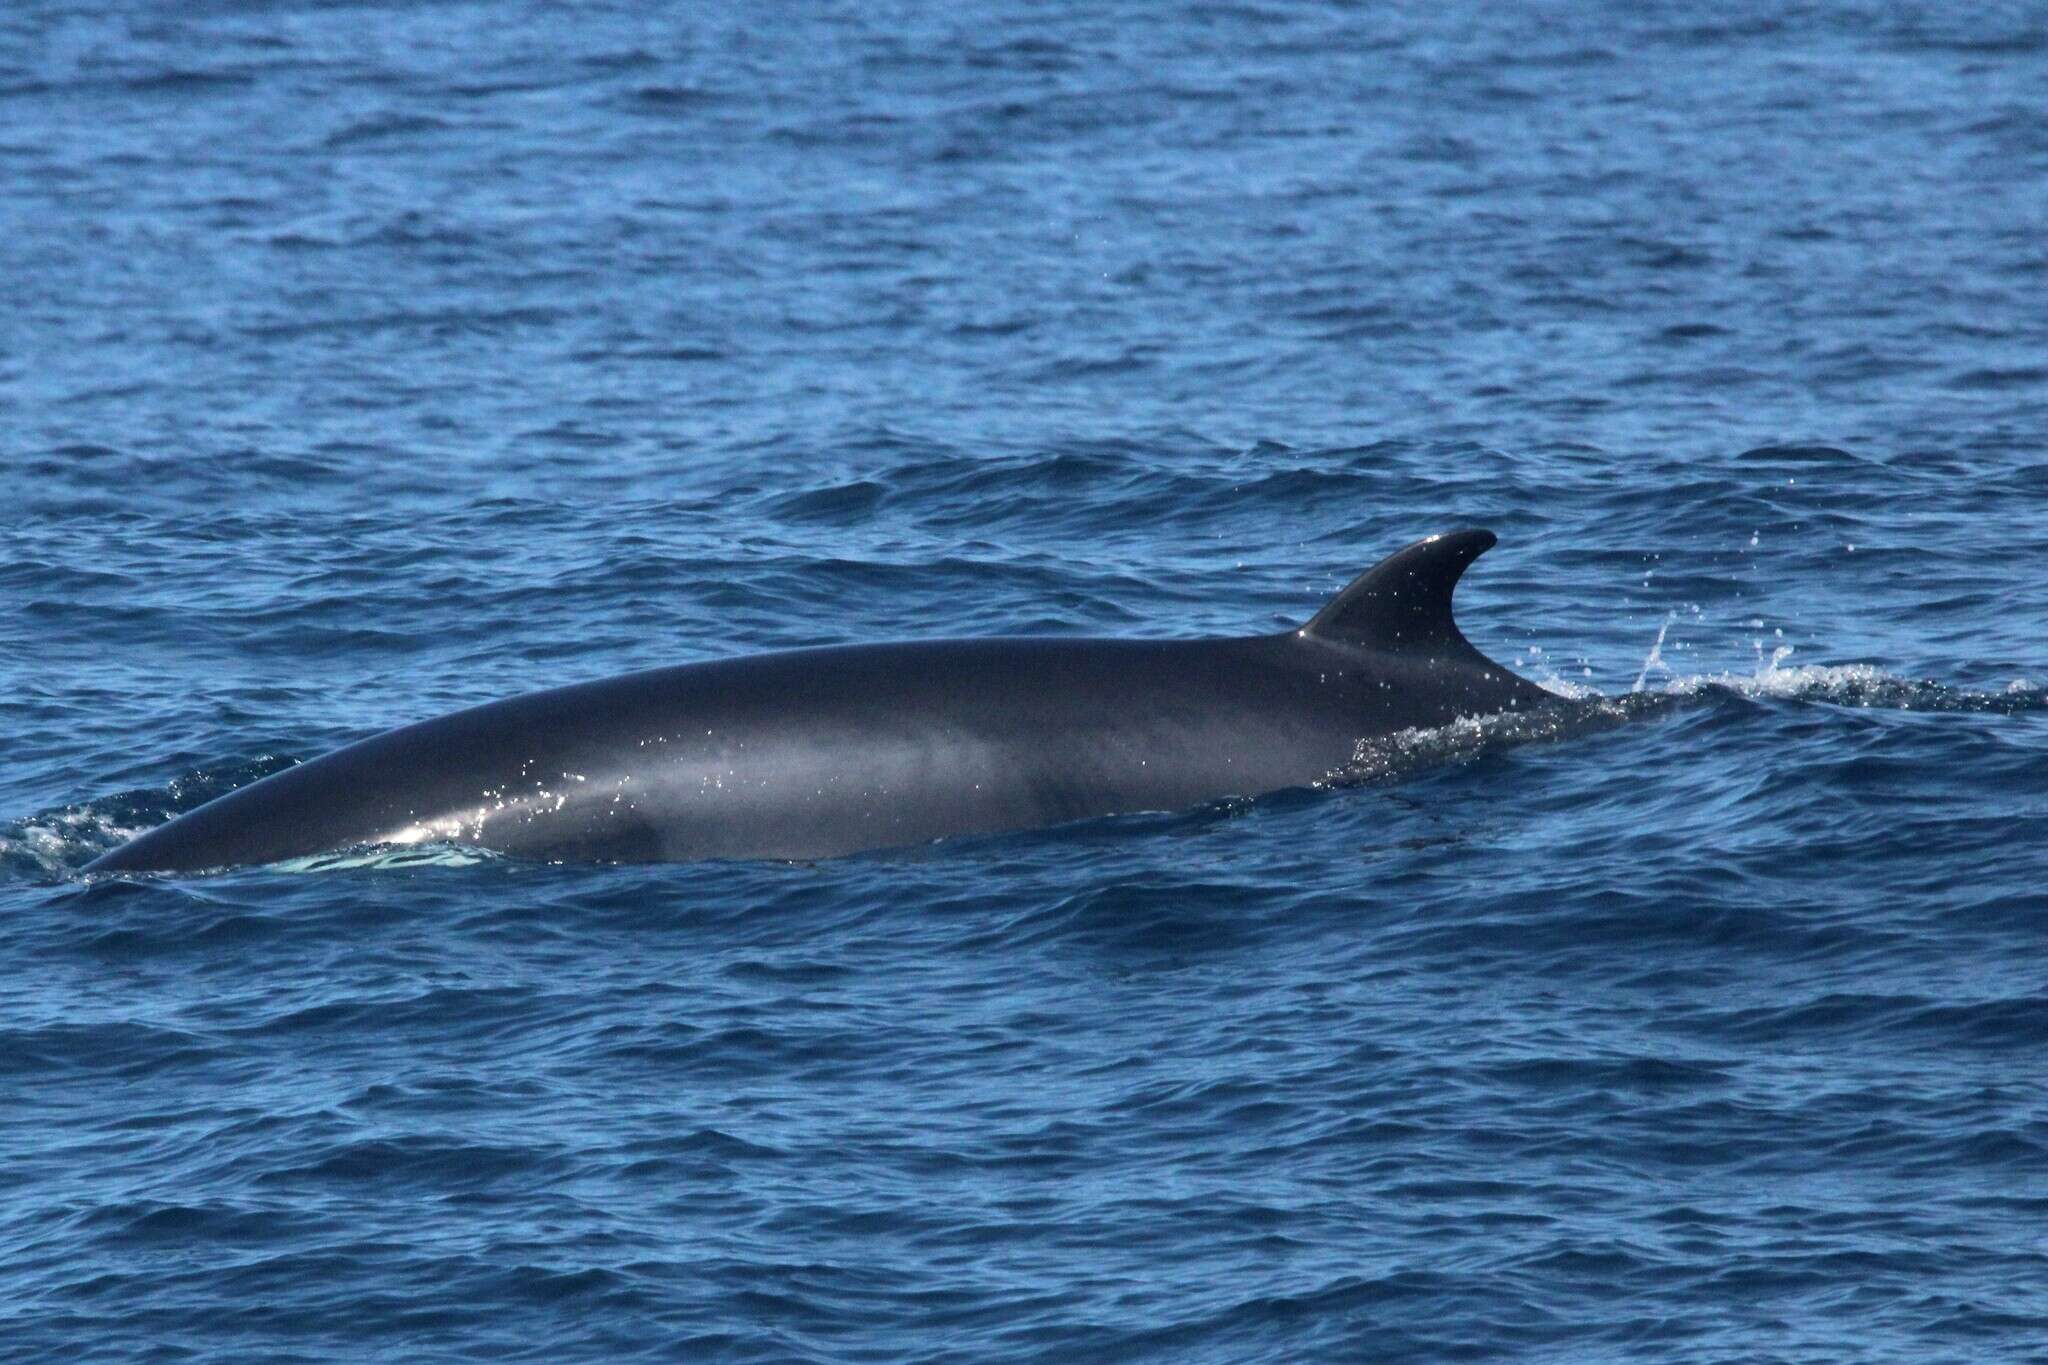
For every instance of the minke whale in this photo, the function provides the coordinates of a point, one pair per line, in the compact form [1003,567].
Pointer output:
[812,753]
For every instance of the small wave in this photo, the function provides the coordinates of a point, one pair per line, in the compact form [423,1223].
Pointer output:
[187,82]
[671,98]
[385,127]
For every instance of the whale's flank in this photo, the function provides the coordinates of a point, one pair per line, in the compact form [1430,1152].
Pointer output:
[814,753]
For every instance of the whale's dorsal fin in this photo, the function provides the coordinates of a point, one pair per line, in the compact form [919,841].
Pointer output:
[1404,601]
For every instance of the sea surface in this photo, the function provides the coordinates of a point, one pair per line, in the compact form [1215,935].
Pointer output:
[360,362]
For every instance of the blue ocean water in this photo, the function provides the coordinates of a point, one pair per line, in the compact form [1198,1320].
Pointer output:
[360,362]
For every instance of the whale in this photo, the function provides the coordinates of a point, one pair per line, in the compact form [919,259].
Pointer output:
[815,753]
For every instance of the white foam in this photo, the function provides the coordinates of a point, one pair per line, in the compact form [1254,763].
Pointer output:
[1812,681]
[58,841]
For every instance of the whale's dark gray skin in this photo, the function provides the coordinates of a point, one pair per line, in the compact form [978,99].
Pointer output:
[819,752]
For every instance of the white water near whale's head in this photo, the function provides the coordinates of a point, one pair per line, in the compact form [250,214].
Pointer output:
[55,843]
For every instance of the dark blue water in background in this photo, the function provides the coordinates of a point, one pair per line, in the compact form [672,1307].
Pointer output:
[359,362]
